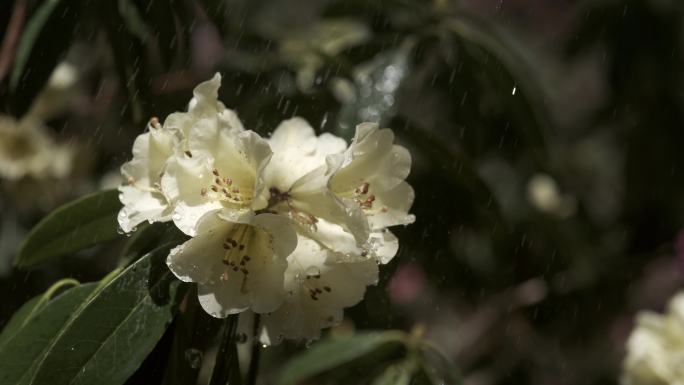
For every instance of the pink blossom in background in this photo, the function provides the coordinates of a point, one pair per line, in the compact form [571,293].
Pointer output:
[407,284]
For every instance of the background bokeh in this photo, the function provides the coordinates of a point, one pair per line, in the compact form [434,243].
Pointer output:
[546,140]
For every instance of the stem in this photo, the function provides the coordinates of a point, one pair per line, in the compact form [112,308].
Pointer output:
[253,370]
[227,355]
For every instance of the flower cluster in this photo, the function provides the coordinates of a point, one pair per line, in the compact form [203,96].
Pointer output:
[655,350]
[292,227]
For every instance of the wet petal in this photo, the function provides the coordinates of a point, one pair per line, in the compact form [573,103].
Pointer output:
[297,151]
[318,291]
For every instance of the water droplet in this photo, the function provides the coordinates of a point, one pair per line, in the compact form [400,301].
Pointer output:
[264,346]
[514,90]
[313,271]
[241,338]
[194,358]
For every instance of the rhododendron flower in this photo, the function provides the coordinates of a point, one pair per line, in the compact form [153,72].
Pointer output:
[292,227]
[319,286]
[237,265]
[655,350]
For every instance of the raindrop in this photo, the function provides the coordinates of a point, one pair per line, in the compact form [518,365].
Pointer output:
[194,358]
[514,90]
[241,338]
[313,271]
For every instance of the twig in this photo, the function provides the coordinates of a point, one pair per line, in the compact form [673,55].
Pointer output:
[14,27]
[253,370]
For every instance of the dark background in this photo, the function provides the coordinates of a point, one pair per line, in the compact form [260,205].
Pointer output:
[499,102]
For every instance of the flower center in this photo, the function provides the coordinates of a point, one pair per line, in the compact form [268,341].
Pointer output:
[365,199]
[223,189]
[281,203]
[235,257]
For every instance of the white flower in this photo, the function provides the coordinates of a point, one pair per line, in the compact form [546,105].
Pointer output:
[219,170]
[237,265]
[372,175]
[142,193]
[26,150]
[318,288]
[655,349]
[297,178]
[292,227]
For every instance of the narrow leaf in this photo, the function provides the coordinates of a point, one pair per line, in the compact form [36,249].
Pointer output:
[331,353]
[29,37]
[398,374]
[109,336]
[72,227]
[44,42]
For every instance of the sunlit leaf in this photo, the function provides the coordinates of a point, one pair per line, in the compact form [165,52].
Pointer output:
[109,335]
[72,227]
[334,352]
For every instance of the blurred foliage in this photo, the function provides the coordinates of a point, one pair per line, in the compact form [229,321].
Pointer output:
[547,166]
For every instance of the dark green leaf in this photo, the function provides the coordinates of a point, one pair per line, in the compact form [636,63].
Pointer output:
[72,227]
[27,345]
[29,310]
[108,336]
[397,374]
[134,22]
[334,352]
[502,55]
[43,43]
[147,238]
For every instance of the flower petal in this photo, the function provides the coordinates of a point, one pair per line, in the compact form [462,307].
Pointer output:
[141,206]
[318,291]
[311,195]
[297,151]
[238,265]
[372,157]
[141,196]
[391,206]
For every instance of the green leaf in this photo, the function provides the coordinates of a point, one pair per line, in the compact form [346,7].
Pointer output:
[44,42]
[25,346]
[29,310]
[29,37]
[111,333]
[397,374]
[72,227]
[334,352]
[505,56]
[147,238]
